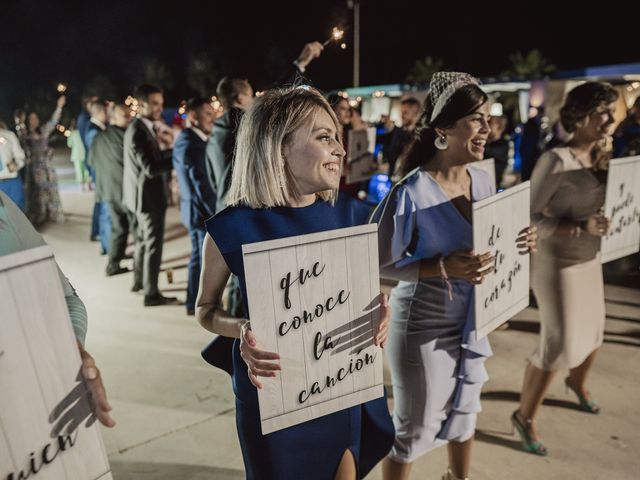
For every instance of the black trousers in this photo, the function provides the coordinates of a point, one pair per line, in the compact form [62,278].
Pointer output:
[122,222]
[148,253]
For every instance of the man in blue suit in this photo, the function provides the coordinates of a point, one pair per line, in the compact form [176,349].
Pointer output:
[197,199]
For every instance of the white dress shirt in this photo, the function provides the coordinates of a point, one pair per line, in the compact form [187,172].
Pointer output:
[10,151]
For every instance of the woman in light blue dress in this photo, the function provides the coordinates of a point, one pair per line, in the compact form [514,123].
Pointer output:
[426,242]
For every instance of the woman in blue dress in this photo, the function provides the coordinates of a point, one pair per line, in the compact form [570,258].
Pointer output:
[426,242]
[286,174]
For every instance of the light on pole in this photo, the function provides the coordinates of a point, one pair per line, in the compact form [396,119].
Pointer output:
[355,5]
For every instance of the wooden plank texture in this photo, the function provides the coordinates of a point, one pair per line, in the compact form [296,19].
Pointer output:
[39,378]
[314,299]
[496,223]
[622,207]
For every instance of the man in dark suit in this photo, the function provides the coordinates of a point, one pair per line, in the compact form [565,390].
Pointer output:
[397,139]
[106,157]
[143,189]
[197,199]
[236,96]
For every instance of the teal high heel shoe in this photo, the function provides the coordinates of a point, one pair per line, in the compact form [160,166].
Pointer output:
[530,445]
[588,406]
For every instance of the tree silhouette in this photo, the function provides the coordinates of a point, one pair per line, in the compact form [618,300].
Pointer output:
[201,74]
[423,69]
[155,72]
[533,64]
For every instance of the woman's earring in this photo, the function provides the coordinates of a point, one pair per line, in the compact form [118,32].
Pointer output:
[441,142]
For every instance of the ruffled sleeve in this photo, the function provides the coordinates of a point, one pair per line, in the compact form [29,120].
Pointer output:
[397,234]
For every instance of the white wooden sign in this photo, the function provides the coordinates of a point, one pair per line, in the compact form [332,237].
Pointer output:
[496,223]
[622,207]
[489,166]
[41,396]
[360,162]
[314,300]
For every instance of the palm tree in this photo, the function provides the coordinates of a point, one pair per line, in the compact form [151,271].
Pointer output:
[201,74]
[423,69]
[533,64]
[154,71]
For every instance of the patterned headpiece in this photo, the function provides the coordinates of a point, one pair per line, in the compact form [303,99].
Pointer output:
[442,87]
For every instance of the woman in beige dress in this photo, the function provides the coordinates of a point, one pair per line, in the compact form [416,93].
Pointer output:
[567,196]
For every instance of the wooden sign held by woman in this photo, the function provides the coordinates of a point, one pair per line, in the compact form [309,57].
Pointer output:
[47,429]
[622,208]
[314,299]
[498,221]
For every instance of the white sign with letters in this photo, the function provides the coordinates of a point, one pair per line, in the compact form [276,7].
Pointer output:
[314,299]
[622,207]
[47,429]
[497,220]
[360,162]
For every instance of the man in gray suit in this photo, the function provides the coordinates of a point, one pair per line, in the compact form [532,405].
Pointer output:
[106,158]
[143,189]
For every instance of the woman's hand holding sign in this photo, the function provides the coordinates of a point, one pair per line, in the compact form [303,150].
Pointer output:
[597,225]
[381,330]
[527,240]
[260,363]
[469,266]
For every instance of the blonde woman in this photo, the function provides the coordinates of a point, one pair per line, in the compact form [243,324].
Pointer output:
[285,180]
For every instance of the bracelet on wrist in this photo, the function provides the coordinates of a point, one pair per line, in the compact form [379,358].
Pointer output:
[576,231]
[445,277]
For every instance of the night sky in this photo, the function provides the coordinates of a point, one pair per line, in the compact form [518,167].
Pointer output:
[112,45]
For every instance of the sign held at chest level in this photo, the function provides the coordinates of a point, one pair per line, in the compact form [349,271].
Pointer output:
[497,222]
[314,299]
[622,207]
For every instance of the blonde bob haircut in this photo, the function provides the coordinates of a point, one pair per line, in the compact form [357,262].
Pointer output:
[261,177]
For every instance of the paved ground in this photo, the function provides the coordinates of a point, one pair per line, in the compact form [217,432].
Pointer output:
[176,415]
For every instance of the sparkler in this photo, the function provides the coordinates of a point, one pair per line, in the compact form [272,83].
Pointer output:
[336,35]
[61,88]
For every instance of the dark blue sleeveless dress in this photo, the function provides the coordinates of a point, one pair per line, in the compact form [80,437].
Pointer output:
[311,450]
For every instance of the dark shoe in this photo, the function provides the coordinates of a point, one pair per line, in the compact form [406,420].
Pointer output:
[136,287]
[116,270]
[191,312]
[103,251]
[158,299]
[94,238]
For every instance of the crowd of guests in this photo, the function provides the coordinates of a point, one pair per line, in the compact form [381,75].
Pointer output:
[425,243]
[272,166]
